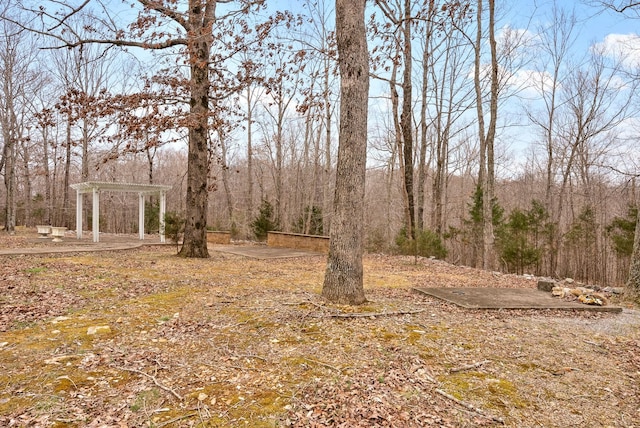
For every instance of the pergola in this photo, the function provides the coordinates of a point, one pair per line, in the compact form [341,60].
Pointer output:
[95,187]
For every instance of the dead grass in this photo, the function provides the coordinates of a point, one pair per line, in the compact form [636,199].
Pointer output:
[231,341]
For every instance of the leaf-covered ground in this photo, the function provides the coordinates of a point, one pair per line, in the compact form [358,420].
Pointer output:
[232,342]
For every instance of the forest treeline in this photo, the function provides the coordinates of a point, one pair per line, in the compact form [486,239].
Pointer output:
[488,145]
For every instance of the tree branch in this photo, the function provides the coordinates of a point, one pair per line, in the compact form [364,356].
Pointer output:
[470,407]
[170,13]
[158,384]
[69,15]
[115,42]
[372,314]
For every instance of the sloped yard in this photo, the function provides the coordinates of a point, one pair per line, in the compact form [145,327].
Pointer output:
[231,341]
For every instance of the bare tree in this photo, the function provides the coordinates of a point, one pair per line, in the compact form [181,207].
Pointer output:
[16,58]
[281,87]
[448,94]
[555,42]
[401,17]
[319,44]
[343,282]
[630,9]
[486,174]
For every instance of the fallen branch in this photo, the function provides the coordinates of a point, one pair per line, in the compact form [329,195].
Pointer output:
[320,363]
[319,306]
[158,384]
[176,419]
[470,407]
[371,314]
[469,366]
[257,357]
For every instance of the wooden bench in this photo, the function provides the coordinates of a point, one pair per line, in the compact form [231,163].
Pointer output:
[315,243]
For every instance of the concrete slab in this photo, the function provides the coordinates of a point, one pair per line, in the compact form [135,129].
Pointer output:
[508,298]
[263,252]
[69,244]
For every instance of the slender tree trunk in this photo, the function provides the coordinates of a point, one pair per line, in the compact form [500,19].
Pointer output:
[67,171]
[482,167]
[249,196]
[10,183]
[326,176]
[317,192]
[406,122]
[397,128]
[85,170]
[28,203]
[422,162]
[488,233]
[225,179]
[151,153]
[279,164]
[391,165]
[343,282]
[47,179]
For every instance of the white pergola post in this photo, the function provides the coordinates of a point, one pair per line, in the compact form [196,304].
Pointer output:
[96,215]
[141,215]
[78,215]
[163,207]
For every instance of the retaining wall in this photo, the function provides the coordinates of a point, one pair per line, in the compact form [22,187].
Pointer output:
[316,243]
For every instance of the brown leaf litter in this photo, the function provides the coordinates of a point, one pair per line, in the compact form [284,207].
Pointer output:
[231,341]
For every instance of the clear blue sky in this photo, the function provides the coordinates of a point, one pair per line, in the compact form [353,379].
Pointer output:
[595,23]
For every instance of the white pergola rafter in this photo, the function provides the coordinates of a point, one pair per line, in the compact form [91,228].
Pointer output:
[95,187]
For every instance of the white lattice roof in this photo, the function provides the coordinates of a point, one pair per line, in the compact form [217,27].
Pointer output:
[89,186]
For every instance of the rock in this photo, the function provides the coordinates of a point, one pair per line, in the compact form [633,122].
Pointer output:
[3,344]
[569,281]
[591,300]
[546,284]
[98,329]
[614,290]
[581,290]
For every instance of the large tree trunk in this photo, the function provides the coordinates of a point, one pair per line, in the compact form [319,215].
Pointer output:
[195,229]
[633,283]
[343,282]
